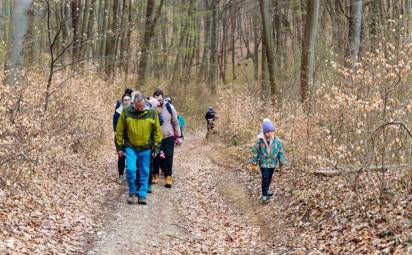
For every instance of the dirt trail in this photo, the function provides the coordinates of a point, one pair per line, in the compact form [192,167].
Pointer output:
[206,211]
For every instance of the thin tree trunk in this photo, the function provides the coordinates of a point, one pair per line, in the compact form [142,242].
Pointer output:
[233,46]
[355,24]
[204,66]
[111,41]
[18,29]
[148,34]
[75,17]
[89,33]
[268,44]
[213,48]
[308,48]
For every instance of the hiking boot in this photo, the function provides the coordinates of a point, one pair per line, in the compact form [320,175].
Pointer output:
[263,200]
[131,199]
[270,194]
[169,182]
[155,179]
[149,189]
[142,201]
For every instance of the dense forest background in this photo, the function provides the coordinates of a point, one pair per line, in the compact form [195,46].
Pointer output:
[334,75]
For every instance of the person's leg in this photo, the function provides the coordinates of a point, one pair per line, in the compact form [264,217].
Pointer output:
[168,149]
[149,183]
[121,164]
[265,176]
[168,161]
[131,158]
[270,175]
[144,164]
[137,174]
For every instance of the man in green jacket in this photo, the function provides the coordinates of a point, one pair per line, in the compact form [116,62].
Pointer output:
[139,128]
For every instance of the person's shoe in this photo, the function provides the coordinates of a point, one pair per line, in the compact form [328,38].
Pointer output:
[169,182]
[155,179]
[149,189]
[263,200]
[142,201]
[270,194]
[131,199]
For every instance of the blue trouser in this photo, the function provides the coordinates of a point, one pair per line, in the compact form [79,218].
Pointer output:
[142,158]
[267,174]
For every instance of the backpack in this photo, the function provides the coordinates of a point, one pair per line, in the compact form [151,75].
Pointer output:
[169,109]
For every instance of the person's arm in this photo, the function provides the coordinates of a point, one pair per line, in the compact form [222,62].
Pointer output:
[255,153]
[120,131]
[157,134]
[183,121]
[281,155]
[175,121]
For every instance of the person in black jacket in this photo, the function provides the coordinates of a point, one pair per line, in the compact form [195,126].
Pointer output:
[120,105]
[210,117]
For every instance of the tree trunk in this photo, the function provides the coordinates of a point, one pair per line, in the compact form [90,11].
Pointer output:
[204,66]
[150,24]
[268,45]
[75,17]
[213,48]
[89,32]
[111,41]
[355,24]
[233,46]
[17,29]
[308,48]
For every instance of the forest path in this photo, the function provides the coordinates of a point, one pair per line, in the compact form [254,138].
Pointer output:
[206,211]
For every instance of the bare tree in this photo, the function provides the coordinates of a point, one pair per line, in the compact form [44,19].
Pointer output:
[355,24]
[17,29]
[267,43]
[148,34]
[308,48]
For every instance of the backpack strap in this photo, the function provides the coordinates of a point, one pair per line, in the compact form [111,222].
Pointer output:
[169,109]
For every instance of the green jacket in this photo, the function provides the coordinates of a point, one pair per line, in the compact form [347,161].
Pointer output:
[139,130]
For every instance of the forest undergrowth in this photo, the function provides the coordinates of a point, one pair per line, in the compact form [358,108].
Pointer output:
[347,187]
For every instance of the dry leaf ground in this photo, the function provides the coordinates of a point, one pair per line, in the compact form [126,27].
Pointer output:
[206,212]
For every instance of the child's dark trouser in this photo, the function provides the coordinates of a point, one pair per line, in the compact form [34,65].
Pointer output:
[267,174]
[121,163]
[167,146]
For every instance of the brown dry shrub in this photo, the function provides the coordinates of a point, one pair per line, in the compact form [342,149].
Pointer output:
[54,167]
[343,128]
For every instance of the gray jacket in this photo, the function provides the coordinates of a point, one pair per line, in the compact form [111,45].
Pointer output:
[170,122]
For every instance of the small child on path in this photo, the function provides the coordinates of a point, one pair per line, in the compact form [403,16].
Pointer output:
[267,152]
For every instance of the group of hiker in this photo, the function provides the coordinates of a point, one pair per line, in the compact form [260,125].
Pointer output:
[147,131]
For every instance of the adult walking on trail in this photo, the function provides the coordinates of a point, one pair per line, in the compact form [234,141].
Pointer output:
[139,126]
[171,131]
[120,105]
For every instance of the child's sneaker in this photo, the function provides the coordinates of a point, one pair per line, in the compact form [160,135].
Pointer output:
[264,200]
[270,194]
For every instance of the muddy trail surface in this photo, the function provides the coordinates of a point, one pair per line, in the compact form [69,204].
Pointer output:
[207,211]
